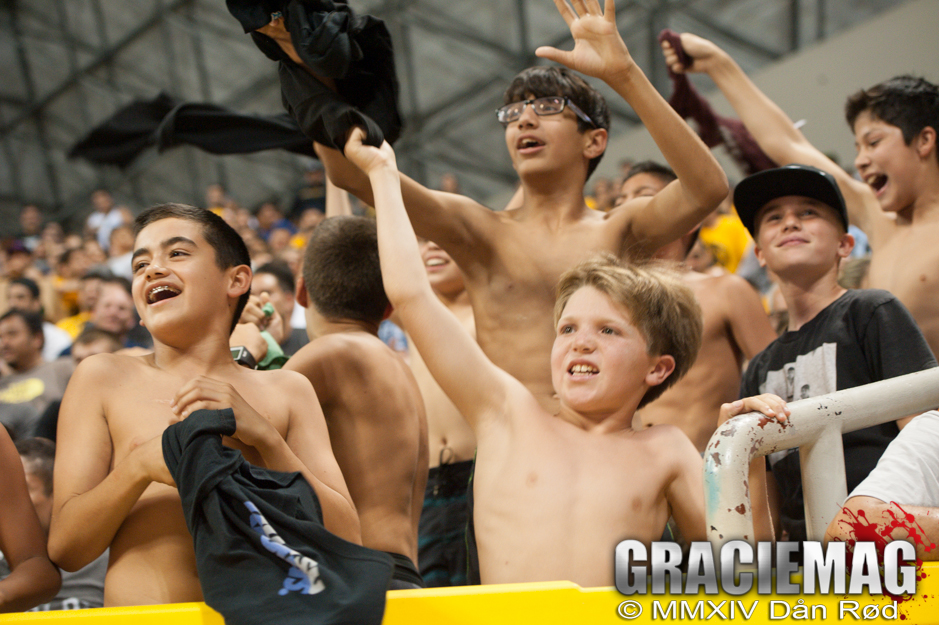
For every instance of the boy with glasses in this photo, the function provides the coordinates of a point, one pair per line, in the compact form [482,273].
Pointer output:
[556,133]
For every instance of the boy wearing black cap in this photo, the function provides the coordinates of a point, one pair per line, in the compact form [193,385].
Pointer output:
[836,338]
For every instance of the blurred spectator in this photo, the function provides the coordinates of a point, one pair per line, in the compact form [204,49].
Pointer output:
[604,195]
[84,588]
[449,183]
[67,281]
[276,279]
[32,381]
[23,294]
[269,218]
[30,226]
[106,217]
[120,252]
[114,312]
[311,194]
[258,248]
[88,287]
[95,252]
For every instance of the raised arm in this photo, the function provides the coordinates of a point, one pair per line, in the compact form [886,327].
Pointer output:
[599,51]
[445,218]
[478,388]
[84,485]
[773,130]
[33,579]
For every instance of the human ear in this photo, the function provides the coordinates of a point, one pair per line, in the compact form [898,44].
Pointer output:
[595,142]
[926,142]
[662,368]
[845,245]
[239,280]
[759,255]
[301,295]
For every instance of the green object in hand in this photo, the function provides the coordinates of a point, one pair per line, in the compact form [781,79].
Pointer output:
[267,309]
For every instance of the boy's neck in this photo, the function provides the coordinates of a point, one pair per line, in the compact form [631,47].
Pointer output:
[925,208]
[804,300]
[457,300]
[322,326]
[556,192]
[202,358]
[608,423]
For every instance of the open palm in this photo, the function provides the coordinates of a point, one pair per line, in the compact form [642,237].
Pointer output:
[598,47]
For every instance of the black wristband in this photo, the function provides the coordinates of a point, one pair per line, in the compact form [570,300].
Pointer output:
[243,357]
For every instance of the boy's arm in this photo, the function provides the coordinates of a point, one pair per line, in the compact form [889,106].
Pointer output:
[305,449]
[85,484]
[478,388]
[770,126]
[599,51]
[685,493]
[32,579]
[447,219]
[749,324]
[881,514]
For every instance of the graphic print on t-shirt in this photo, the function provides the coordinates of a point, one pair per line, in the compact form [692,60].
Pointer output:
[304,575]
[811,374]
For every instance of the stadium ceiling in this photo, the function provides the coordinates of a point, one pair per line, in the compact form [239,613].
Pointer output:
[69,64]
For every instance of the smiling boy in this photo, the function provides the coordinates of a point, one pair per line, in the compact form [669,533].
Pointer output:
[112,486]
[556,130]
[555,494]
[836,339]
[897,204]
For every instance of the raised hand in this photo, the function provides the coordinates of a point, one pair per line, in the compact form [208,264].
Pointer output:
[599,50]
[367,157]
[701,51]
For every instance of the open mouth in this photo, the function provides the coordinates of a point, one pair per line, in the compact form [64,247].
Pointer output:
[435,262]
[581,370]
[161,293]
[528,143]
[876,181]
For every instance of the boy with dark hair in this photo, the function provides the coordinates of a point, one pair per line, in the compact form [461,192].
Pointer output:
[896,206]
[555,492]
[191,279]
[555,131]
[736,328]
[836,339]
[372,403]
[33,578]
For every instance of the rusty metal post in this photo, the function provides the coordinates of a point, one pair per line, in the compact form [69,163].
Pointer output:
[815,426]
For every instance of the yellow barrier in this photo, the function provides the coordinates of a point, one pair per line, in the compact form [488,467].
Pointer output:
[564,603]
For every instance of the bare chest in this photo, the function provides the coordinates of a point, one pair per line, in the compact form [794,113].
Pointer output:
[907,265]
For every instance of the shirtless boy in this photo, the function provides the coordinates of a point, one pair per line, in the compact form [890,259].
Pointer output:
[191,279]
[372,404]
[736,329]
[897,206]
[442,536]
[556,133]
[555,494]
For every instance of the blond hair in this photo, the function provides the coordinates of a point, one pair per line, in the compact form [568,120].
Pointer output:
[660,306]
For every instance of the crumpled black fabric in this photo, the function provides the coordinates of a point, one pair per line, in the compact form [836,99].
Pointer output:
[165,122]
[262,553]
[713,129]
[333,42]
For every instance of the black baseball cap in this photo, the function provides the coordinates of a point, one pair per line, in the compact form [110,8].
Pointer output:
[754,192]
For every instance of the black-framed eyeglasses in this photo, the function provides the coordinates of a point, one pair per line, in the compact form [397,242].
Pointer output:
[550,105]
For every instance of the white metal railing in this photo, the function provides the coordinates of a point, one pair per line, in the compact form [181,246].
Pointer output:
[815,427]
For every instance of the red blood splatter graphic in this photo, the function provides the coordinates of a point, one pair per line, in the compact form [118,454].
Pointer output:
[864,530]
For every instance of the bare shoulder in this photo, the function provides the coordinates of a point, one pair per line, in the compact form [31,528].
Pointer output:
[101,373]
[668,445]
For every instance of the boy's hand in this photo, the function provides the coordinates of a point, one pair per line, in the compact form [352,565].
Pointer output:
[702,52]
[770,405]
[599,51]
[205,393]
[150,457]
[366,157]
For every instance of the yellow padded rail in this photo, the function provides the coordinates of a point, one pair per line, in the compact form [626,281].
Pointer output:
[554,603]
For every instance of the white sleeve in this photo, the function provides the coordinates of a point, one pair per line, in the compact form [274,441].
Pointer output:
[908,472]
